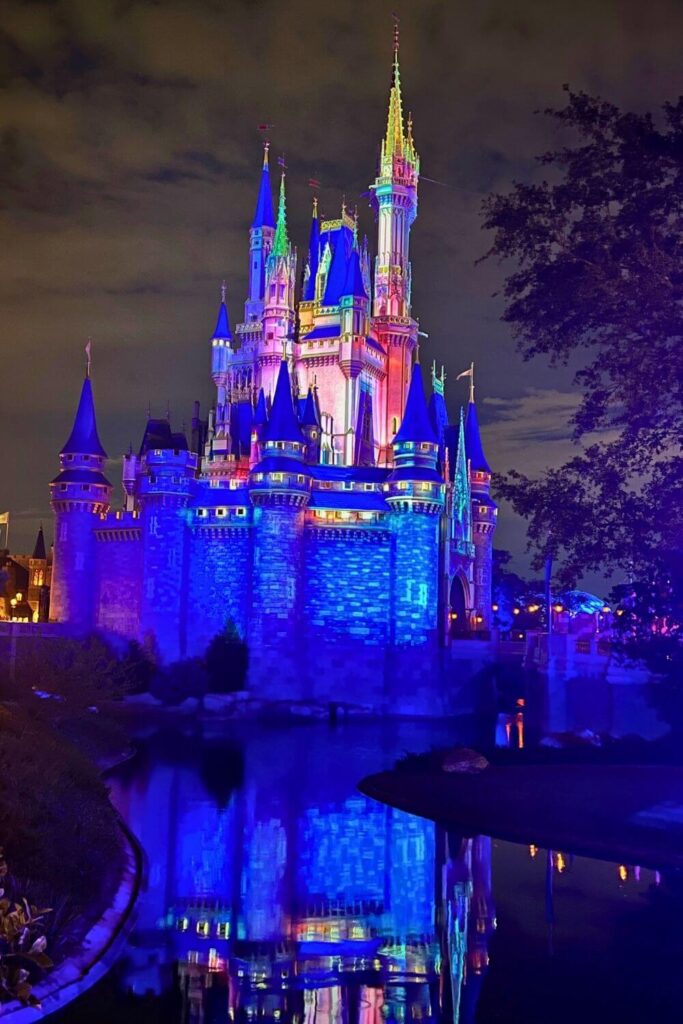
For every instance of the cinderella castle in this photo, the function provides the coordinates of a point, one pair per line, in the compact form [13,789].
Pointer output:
[325,508]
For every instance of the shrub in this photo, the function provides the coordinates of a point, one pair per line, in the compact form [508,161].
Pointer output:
[174,683]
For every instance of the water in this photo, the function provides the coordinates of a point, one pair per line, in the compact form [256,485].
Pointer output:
[277,893]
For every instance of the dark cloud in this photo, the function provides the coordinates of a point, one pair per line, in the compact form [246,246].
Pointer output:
[129,161]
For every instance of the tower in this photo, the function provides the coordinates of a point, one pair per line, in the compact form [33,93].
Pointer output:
[39,578]
[80,496]
[261,236]
[168,470]
[279,309]
[221,346]
[279,488]
[394,197]
[484,515]
[416,497]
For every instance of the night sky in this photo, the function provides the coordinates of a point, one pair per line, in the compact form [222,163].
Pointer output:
[129,160]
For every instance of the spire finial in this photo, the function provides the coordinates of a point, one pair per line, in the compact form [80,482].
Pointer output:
[266,147]
[224,290]
[315,207]
[395,19]
[88,356]
[284,348]
[355,228]
[472,382]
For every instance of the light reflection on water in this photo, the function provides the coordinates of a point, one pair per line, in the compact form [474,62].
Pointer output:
[276,892]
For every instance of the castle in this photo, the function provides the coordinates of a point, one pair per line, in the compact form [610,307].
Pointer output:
[325,504]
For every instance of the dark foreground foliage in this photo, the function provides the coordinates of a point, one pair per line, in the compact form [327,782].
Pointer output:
[58,828]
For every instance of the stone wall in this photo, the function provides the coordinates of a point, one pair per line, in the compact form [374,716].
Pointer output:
[219,583]
[347,585]
[118,581]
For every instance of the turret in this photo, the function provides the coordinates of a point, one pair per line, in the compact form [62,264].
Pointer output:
[394,197]
[310,426]
[221,348]
[354,299]
[484,515]
[167,473]
[80,495]
[258,425]
[38,578]
[415,493]
[279,488]
[260,244]
[279,478]
[313,261]
[279,311]
[395,200]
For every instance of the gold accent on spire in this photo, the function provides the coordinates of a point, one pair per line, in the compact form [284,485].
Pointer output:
[266,147]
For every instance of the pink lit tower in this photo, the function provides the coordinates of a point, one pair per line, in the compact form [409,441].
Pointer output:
[394,196]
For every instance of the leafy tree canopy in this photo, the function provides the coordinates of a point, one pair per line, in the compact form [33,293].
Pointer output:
[597,256]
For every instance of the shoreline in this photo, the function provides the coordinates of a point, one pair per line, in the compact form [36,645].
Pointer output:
[626,813]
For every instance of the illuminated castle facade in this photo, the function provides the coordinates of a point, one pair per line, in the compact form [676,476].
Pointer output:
[324,499]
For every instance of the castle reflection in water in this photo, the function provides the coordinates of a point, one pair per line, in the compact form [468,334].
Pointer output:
[264,900]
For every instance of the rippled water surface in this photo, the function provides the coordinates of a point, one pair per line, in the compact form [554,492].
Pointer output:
[276,892]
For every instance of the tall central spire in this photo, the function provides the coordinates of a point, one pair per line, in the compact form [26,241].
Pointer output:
[394,138]
[281,241]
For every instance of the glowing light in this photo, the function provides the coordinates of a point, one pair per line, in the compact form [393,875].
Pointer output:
[494,607]
[623,872]
[606,609]
[533,851]
[558,608]
[516,611]
[479,618]
[560,863]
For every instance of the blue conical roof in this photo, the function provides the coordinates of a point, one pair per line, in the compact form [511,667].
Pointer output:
[416,425]
[223,322]
[264,216]
[473,447]
[336,277]
[354,285]
[283,424]
[261,411]
[83,439]
[313,256]
[309,417]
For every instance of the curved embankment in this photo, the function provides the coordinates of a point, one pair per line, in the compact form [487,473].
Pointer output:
[633,814]
[101,946]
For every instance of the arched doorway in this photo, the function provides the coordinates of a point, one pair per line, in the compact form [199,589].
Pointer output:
[458,602]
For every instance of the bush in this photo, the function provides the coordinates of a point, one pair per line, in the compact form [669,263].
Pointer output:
[227,661]
[174,683]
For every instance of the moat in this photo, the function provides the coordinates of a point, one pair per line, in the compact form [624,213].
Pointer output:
[277,892]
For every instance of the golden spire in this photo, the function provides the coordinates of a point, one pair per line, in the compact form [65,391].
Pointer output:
[394,139]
